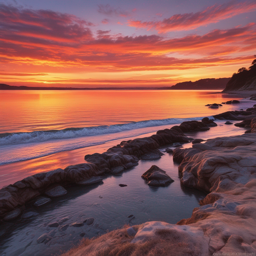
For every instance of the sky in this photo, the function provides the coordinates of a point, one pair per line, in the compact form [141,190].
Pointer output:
[118,43]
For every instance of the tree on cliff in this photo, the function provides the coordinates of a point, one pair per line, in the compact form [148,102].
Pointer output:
[245,79]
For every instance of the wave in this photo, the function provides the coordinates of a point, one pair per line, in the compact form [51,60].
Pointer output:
[42,136]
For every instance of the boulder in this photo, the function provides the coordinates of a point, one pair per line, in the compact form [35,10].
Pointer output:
[228,122]
[169,150]
[90,181]
[154,155]
[156,177]
[208,122]
[117,170]
[214,105]
[56,191]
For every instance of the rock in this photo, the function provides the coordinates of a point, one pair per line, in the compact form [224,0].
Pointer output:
[63,227]
[228,122]
[169,150]
[12,215]
[245,123]
[89,221]
[90,181]
[53,225]
[225,221]
[156,177]
[197,141]
[116,159]
[155,155]
[82,234]
[56,191]
[30,214]
[131,231]
[208,122]
[214,105]
[42,201]
[42,238]
[77,224]
[233,102]
[117,170]
[64,219]
[177,144]
[130,165]
[193,126]
[130,216]
[122,185]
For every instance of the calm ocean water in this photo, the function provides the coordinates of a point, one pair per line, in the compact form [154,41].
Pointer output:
[39,123]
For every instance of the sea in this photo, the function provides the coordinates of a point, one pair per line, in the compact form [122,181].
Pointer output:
[44,130]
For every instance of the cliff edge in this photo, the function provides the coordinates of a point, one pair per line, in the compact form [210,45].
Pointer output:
[244,79]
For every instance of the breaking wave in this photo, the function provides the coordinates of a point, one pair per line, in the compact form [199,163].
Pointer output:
[42,136]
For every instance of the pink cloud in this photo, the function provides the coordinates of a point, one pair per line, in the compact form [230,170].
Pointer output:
[56,39]
[188,21]
[105,21]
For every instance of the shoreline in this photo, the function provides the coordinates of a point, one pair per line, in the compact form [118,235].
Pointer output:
[133,160]
[224,223]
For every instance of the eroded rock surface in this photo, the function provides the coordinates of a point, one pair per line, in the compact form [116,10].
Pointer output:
[223,224]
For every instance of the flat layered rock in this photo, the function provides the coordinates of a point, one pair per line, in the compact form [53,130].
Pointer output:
[157,177]
[56,191]
[42,201]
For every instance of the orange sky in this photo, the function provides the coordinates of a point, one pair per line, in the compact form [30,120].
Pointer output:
[120,44]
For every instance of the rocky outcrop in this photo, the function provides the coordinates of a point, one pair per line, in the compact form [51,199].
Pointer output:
[243,80]
[156,177]
[19,193]
[225,222]
[114,161]
[237,115]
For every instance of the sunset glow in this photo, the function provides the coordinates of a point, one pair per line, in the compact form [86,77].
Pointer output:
[123,44]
